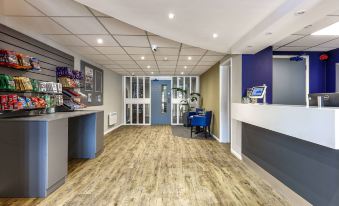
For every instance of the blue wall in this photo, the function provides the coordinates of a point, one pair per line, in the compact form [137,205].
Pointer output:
[330,70]
[317,71]
[257,70]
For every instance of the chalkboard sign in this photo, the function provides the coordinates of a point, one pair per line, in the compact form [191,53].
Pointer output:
[92,84]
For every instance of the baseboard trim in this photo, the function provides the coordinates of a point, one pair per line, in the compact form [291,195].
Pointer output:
[215,137]
[112,129]
[236,154]
[292,197]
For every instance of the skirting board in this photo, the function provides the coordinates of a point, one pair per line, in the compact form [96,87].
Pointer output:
[236,154]
[112,129]
[292,197]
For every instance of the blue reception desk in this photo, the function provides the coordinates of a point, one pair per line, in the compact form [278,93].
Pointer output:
[34,151]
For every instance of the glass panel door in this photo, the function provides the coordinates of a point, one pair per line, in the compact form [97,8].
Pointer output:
[134,87]
[147,87]
[141,114]
[141,87]
[147,114]
[134,113]
[128,87]
[128,114]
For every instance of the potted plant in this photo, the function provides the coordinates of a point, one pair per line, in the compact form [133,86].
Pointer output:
[188,103]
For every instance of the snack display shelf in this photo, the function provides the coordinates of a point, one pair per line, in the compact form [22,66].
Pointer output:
[32,92]
[22,112]
[16,69]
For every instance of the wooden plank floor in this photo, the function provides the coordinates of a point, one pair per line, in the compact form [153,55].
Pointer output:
[147,165]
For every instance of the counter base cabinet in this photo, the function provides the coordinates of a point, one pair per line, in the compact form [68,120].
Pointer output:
[34,154]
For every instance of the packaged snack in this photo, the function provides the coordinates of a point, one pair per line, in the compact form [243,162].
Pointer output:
[35,85]
[23,61]
[3,57]
[12,98]
[12,60]
[3,99]
[29,104]
[22,103]
[35,63]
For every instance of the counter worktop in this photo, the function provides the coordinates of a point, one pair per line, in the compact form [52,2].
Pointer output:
[51,117]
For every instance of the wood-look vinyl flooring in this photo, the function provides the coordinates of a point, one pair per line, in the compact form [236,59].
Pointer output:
[147,165]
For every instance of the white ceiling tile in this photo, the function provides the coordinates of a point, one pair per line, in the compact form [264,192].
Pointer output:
[210,63]
[146,63]
[104,61]
[187,46]
[67,40]
[97,57]
[167,70]
[19,8]
[167,67]
[133,70]
[151,34]
[166,73]
[167,51]
[213,53]
[185,67]
[61,8]
[186,62]
[163,42]
[185,58]
[333,43]
[200,67]
[192,51]
[114,26]
[40,25]
[110,50]
[289,39]
[112,66]
[138,50]
[167,63]
[169,58]
[117,70]
[81,25]
[211,58]
[133,41]
[316,26]
[127,64]
[83,50]
[137,57]
[118,57]
[320,49]
[92,40]
[294,48]
[311,40]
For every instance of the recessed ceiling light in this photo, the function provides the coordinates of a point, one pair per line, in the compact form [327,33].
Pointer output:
[301,12]
[100,41]
[182,73]
[330,30]
[148,66]
[142,57]
[165,58]
[171,16]
[185,67]
[215,35]
[152,72]
[189,58]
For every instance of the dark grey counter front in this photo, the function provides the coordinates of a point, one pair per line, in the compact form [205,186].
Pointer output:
[34,151]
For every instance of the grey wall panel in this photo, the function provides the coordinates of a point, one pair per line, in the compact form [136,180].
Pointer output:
[310,170]
[49,57]
[99,132]
[289,82]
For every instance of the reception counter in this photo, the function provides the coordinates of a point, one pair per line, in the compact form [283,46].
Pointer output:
[297,145]
[34,151]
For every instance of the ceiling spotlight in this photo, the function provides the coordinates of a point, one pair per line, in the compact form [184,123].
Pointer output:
[182,73]
[185,67]
[215,35]
[148,66]
[171,16]
[142,57]
[165,58]
[298,13]
[189,58]
[152,72]
[100,41]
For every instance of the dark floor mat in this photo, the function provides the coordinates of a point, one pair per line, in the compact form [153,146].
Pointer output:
[185,132]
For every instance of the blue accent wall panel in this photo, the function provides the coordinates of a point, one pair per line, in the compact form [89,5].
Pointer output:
[257,70]
[331,70]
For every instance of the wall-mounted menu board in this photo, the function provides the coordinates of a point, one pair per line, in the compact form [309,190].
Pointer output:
[93,84]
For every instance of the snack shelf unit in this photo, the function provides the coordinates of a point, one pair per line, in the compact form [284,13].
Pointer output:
[22,112]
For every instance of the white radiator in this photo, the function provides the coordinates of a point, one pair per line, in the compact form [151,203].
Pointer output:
[112,118]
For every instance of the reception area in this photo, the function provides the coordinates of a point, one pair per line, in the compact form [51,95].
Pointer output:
[169,103]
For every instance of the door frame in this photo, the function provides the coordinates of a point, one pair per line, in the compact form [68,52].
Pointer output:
[307,72]
[225,138]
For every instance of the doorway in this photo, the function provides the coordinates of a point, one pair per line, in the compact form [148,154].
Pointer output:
[161,102]
[225,100]
[290,80]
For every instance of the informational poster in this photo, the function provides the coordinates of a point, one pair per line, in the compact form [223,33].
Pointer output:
[93,84]
[89,80]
